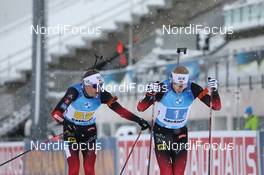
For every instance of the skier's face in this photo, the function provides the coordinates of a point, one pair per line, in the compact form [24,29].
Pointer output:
[92,90]
[179,80]
[178,87]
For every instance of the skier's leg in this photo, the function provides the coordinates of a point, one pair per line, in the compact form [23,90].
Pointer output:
[162,153]
[89,149]
[179,162]
[179,157]
[72,154]
[164,162]
[89,157]
[73,162]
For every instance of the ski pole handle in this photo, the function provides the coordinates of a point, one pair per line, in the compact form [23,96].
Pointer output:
[179,50]
[184,50]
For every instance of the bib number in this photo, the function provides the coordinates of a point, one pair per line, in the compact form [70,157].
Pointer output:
[176,114]
[83,115]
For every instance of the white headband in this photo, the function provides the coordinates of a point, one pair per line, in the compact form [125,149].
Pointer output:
[93,79]
[180,78]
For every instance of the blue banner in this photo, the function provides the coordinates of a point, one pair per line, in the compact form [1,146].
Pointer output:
[248,57]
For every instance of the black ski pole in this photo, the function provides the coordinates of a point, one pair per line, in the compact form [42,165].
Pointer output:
[210,130]
[151,137]
[123,168]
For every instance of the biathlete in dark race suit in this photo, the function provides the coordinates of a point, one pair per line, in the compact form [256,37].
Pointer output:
[174,98]
[75,111]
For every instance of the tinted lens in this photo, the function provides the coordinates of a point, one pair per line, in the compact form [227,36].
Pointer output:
[96,86]
[178,84]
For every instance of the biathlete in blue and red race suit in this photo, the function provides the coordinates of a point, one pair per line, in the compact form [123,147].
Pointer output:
[75,111]
[174,98]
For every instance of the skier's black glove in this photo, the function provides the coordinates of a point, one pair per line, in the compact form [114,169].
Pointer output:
[69,126]
[143,124]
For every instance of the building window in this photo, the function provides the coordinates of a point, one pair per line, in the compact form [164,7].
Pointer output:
[255,12]
[245,14]
[228,18]
[261,7]
[236,15]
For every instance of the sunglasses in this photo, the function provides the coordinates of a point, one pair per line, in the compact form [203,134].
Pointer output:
[97,86]
[179,85]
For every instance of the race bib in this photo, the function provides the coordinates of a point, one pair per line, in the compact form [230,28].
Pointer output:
[85,116]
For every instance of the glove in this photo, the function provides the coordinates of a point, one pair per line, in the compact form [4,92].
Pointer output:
[153,88]
[69,126]
[143,124]
[212,84]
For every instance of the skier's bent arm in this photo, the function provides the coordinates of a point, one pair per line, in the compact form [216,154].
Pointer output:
[145,103]
[123,112]
[150,98]
[67,99]
[202,94]
[112,103]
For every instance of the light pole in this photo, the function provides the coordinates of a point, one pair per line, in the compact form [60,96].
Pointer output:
[38,102]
